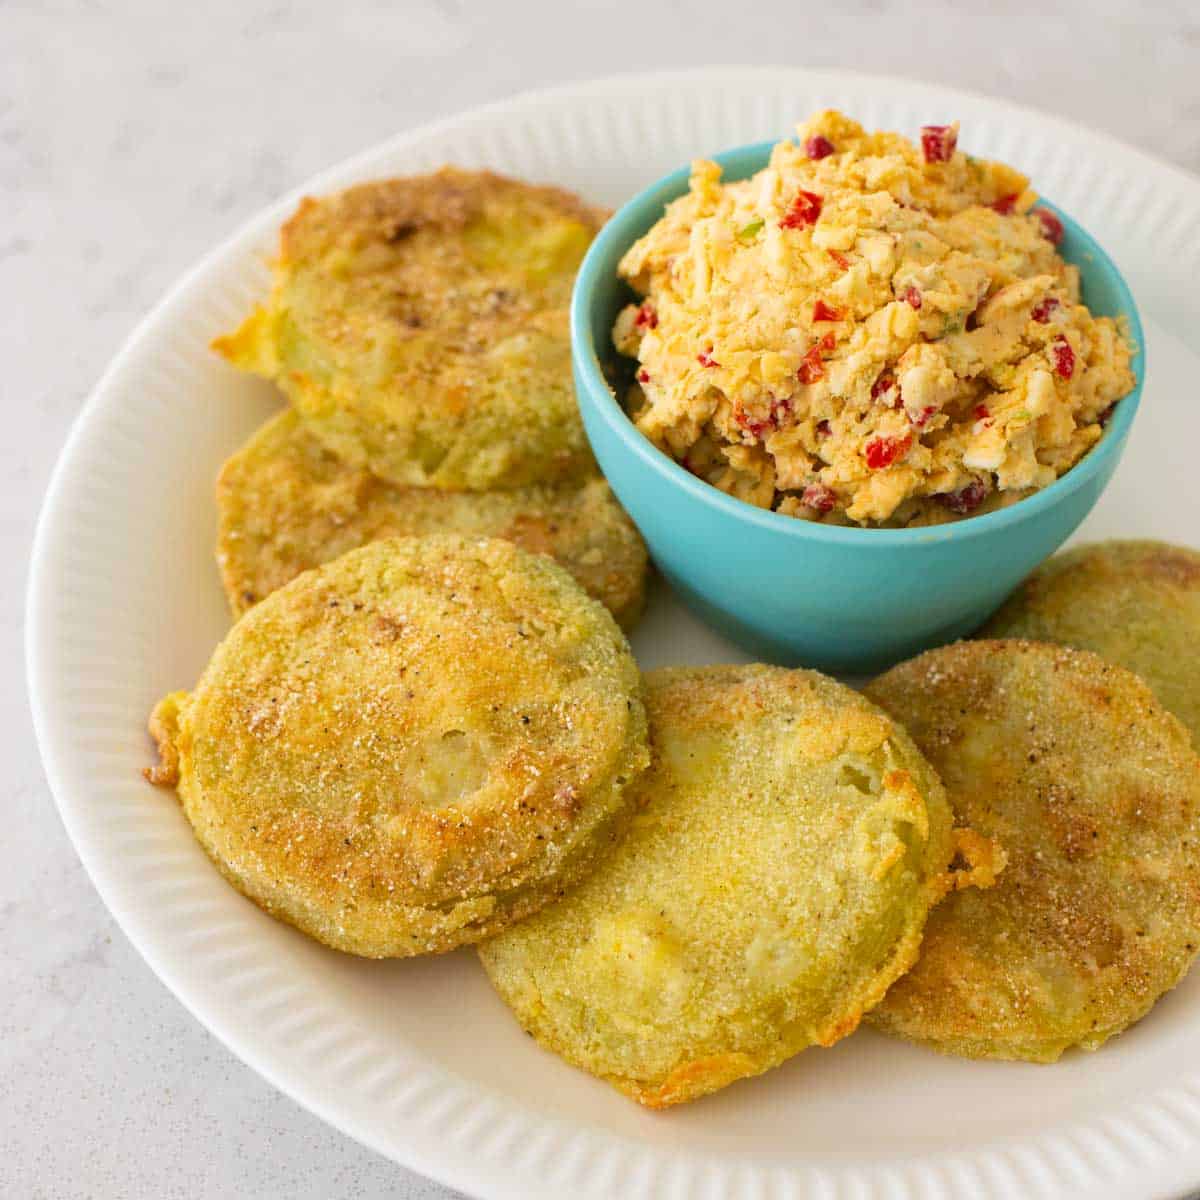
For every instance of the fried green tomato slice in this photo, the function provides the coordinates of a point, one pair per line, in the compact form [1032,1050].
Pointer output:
[1094,792]
[408,748]
[420,327]
[789,842]
[1136,603]
[286,504]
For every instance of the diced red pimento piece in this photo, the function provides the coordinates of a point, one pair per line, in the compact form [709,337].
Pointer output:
[1052,227]
[705,358]
[753,425]
[1005,204]
[646,318]
[804,210]
[938,142]
[922,418]
[819,497]
[643,376]
[883,451]
[982,412]
[912,295]
[758,426]
[1043,308]
[823,429]
[811,366]
[1063,357]
[966,499]
[818,146]
[839,258]
[826,312]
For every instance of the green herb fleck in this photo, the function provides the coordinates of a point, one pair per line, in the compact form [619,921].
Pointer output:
[748,231]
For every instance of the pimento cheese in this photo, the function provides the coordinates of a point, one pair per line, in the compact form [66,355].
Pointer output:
[867,332]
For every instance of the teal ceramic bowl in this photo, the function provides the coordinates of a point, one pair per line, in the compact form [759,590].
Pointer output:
[788,591]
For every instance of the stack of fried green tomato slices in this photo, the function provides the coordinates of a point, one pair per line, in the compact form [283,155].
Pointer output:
[427,729]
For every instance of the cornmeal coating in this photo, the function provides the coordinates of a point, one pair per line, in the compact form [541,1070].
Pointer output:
[789,842]
[410,747]
[420,327]
[1136,603]
[1094,791]
[286,504]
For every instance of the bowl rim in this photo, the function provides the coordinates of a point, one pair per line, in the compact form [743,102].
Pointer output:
[617,233]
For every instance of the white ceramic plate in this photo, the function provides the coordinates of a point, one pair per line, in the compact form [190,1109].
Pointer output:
[419,1059]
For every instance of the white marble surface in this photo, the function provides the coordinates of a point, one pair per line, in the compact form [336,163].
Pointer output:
[134,136]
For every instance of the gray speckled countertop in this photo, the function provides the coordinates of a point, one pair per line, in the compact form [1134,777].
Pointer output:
[133,136]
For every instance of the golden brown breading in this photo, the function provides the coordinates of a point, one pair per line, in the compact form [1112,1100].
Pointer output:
[775,882]
[412,746]
[286,504]
[1094,792]
[420,327]
[1136,603]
